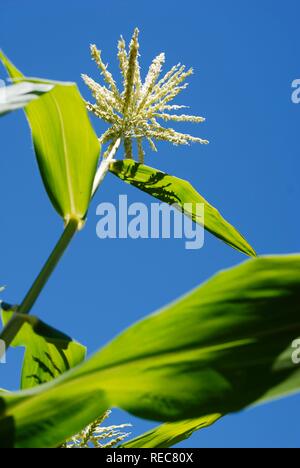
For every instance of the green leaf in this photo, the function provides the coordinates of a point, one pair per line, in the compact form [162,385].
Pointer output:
[48,352]
[170,434]
[180,193]
[19,95]
[66,146]
[223,347]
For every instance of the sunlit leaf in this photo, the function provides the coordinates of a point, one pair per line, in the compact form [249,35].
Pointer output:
[223,347]
[180,193]
[66,146]
[48,352]
[17,96]
[170,434]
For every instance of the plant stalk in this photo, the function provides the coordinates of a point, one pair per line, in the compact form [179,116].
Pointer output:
[39,284]
[14,325]
[12,328]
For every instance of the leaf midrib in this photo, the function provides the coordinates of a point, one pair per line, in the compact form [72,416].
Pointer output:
[66,158]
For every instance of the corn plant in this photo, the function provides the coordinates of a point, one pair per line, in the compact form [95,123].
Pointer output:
[223,347]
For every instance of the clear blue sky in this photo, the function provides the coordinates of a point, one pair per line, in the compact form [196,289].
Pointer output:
[245,55]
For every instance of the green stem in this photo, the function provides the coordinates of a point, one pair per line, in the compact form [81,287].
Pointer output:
[49,267]
[13,326]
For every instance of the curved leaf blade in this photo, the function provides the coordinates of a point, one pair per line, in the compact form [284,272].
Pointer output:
[48,352]
[66,146]
[170,434]
[179,192]
[223,347]
[17,96]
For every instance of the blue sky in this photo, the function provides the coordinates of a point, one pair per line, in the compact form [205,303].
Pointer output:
[245,55]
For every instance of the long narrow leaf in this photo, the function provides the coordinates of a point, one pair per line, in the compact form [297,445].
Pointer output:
[180,193]
[17,96]
[223,347]
[66,146]
[170,434]
[48,352]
